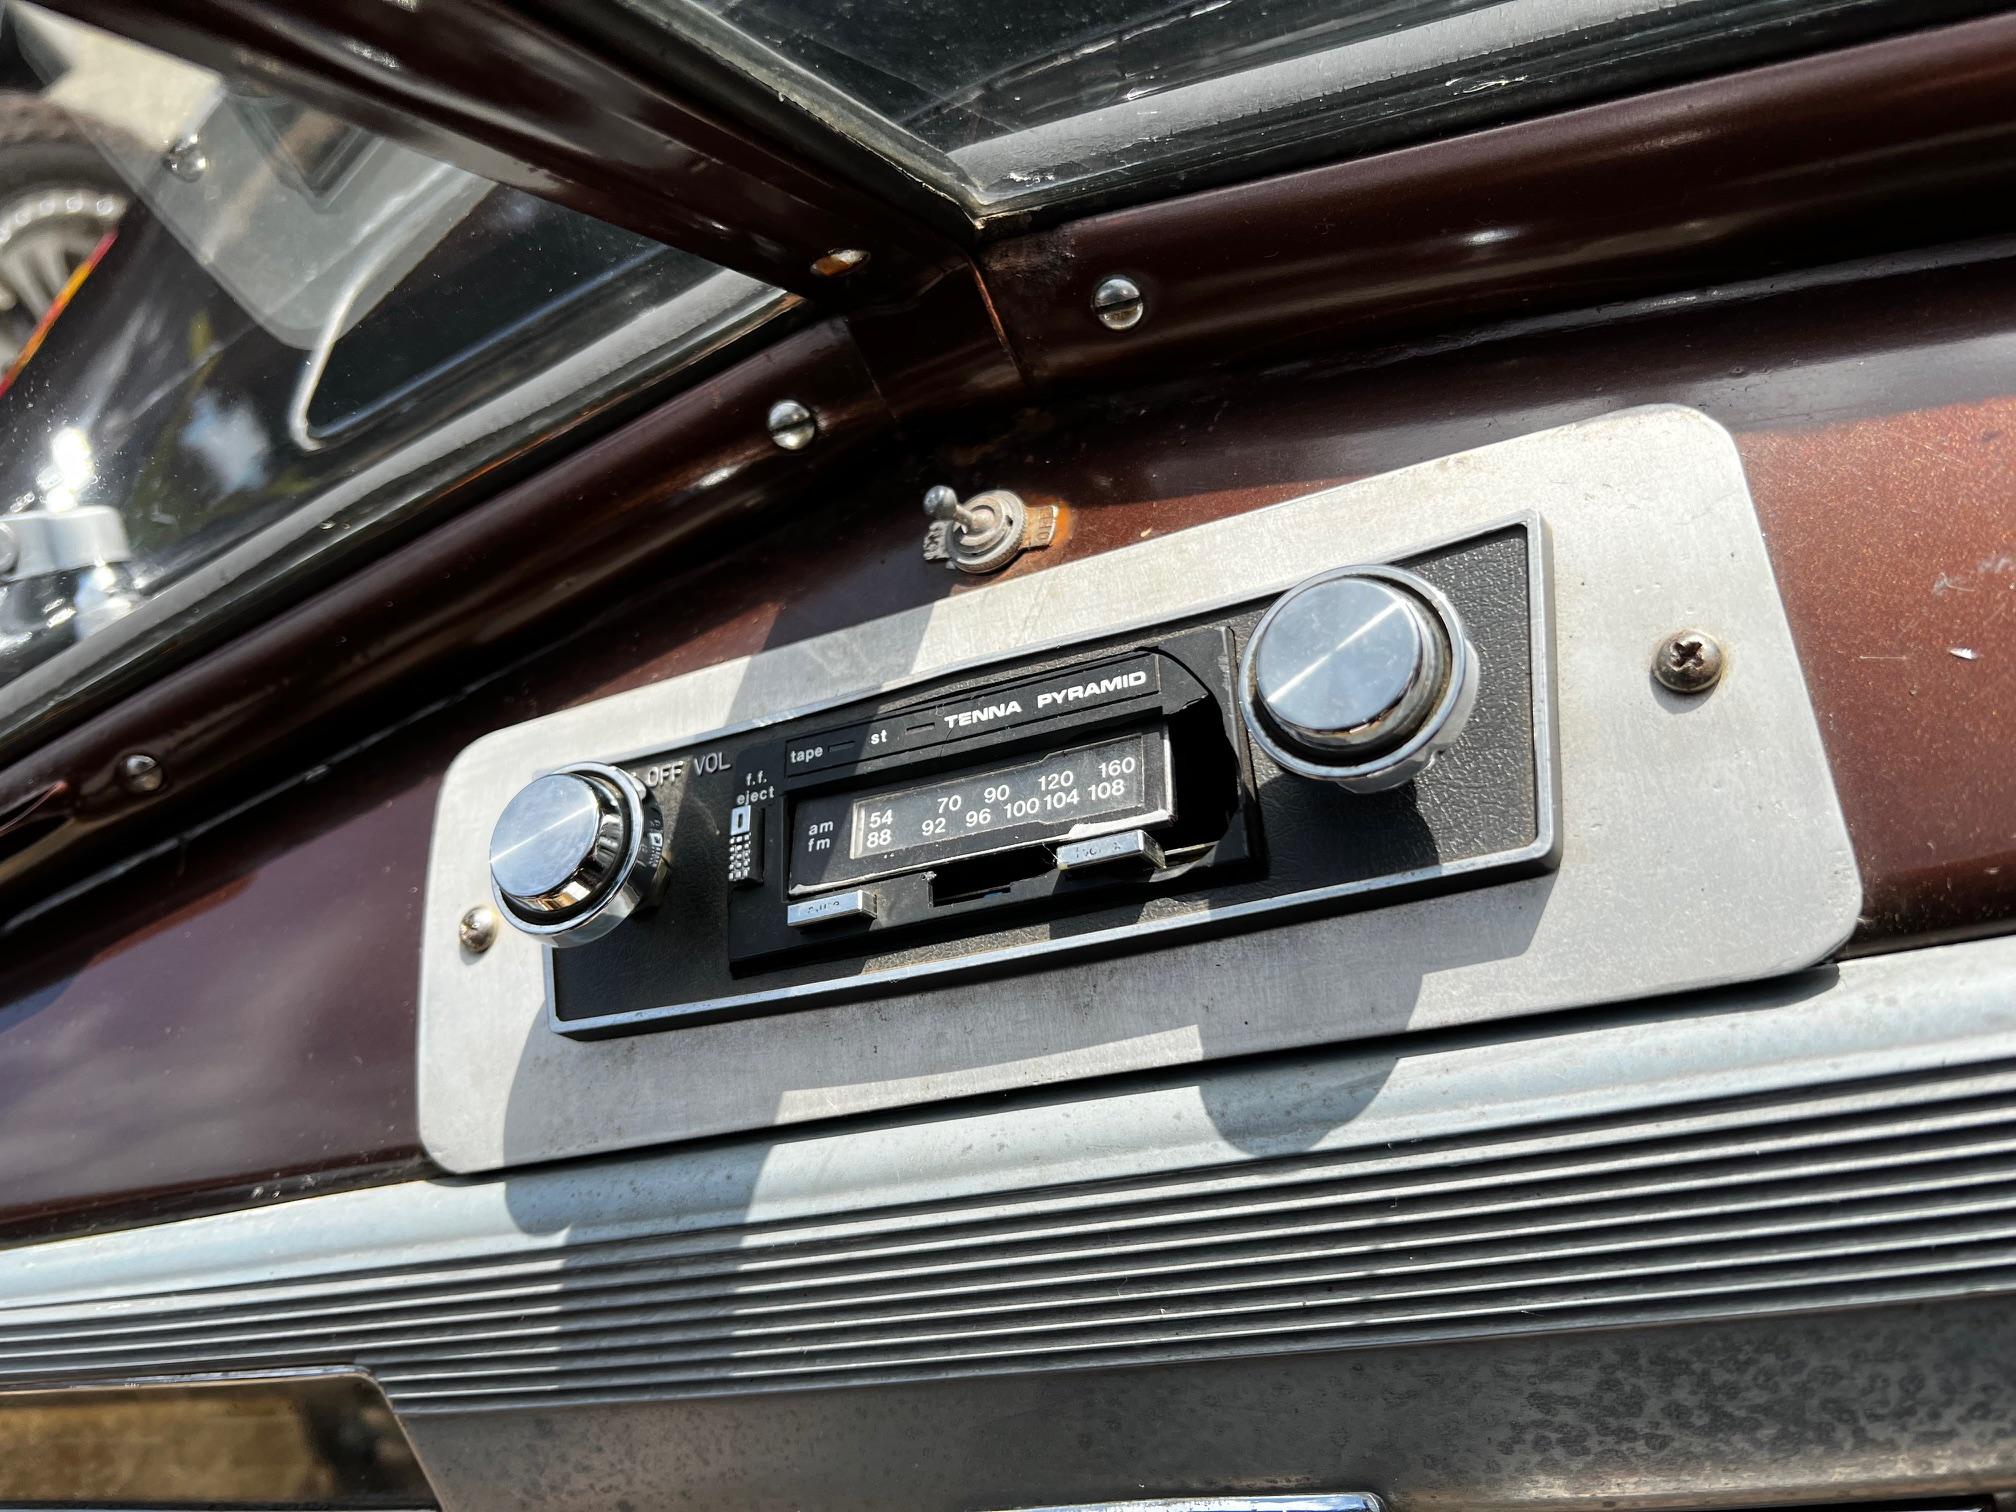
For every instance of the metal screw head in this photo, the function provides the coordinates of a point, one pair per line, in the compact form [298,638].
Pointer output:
[1118,303]
[141,773]
[478,929]
[839,262]
[792,426]
[10,549]
[1689,661]
[186,160]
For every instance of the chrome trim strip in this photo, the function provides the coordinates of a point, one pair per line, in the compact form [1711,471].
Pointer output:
[1111,139]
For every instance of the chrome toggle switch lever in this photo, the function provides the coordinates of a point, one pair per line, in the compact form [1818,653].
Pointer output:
[986,532]
[1361,677]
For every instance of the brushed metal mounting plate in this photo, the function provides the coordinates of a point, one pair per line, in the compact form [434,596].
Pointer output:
[1719,810]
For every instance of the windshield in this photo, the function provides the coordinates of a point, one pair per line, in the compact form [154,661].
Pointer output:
[237,332]
[1009,107]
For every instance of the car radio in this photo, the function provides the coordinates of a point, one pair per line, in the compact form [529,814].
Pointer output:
[1378,730]
[1026,793]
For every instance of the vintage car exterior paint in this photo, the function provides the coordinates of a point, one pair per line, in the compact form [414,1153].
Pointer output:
[1898,405]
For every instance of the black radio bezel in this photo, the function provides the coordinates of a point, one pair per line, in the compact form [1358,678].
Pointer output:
[1488,811]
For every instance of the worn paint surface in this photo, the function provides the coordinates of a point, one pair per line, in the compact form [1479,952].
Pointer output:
[1897,539]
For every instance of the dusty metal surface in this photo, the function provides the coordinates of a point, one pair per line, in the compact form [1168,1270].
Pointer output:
[1741,1249]
[1875,1404]
[1890,395]
[216,1030]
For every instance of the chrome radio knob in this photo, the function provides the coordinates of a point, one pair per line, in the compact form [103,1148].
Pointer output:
[576,852]
[1359,677]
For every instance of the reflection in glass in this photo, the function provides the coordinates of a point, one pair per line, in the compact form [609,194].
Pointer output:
[1012,106]
[242,330]
[314,1440]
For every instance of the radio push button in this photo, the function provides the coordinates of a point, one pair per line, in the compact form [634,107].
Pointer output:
[1132,848]
[854,906]
[1360,676]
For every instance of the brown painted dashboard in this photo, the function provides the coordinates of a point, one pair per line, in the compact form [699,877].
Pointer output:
[191,1068]
[230,1019]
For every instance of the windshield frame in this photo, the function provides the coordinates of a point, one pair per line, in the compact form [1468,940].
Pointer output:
[1410,86]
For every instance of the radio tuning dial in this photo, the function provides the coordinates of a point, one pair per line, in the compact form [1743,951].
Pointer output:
[1361,677]
[576,852]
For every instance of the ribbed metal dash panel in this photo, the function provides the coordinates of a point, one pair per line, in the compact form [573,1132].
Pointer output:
[1842,1189]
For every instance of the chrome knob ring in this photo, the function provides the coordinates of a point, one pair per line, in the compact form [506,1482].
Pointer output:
[576,852]
[1361,676]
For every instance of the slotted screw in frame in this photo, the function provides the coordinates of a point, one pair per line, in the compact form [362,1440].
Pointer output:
[1118,303]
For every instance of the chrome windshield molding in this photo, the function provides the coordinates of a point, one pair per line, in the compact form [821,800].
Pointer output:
[1204,113]
[693,326]
[997,170]
[709,46]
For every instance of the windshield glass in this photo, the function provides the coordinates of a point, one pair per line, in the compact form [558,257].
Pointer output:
[1013,106]
[236,332]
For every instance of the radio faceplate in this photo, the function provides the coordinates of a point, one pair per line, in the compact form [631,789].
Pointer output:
[1718,810]
[933,831]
